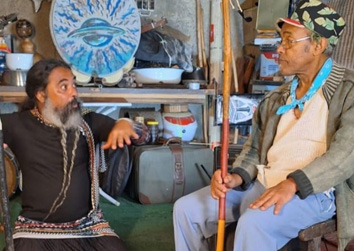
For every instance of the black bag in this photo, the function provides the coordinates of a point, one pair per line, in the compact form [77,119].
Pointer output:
[160,48]
[115,179]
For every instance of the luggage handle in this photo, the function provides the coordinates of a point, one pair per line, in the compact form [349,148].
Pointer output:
[178,169]
[177,160]
[173,140]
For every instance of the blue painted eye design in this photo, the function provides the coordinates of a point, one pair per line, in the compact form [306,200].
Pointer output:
[96,32]
[95,37]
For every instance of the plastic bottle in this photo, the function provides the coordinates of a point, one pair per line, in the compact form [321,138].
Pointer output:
[3,51]
[154,130]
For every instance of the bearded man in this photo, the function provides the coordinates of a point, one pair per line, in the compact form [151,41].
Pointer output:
[55,147]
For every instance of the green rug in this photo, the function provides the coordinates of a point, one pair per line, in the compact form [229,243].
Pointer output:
[141,227]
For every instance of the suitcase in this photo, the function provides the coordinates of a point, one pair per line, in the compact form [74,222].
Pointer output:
[233,152]
[164,173]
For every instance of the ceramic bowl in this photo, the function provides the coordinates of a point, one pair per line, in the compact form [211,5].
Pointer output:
[158,75]
[19,61]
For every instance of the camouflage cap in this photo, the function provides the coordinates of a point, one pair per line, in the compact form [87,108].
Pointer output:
[318,17]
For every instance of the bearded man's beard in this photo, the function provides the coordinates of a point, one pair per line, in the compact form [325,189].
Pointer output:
[68,117]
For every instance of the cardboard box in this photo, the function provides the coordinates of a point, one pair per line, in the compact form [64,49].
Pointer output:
[268,13]
[249,8]
[251,50]
[249,28]
[247,4]
[269,63]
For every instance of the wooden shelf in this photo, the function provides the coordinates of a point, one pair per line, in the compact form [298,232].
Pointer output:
[17,94]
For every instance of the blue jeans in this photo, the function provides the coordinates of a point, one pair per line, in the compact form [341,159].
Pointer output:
[195,218]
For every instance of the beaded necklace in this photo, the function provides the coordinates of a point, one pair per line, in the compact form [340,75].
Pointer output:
[40,118]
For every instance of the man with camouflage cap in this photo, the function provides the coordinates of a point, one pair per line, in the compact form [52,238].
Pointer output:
[297,167]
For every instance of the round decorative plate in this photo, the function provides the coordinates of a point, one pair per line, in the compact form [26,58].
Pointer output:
[96,37]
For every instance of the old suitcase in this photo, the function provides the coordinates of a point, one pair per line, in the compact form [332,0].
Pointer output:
[163,173]
[233,152]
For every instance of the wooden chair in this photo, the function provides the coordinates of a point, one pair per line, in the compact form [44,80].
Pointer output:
[308,239]
[313,235]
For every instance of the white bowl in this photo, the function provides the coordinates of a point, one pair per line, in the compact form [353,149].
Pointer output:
[19,61]
[158,75]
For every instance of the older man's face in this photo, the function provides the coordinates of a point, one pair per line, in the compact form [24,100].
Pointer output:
[61,104]
[295,56]
[61,89]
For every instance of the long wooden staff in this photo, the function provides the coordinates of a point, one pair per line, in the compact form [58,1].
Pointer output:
[225,120]
[4,198]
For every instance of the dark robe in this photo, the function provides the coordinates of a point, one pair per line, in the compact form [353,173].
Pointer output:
[38,149]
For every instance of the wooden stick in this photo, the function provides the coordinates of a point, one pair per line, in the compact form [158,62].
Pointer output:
[235,136]
[234,71]
[248,72]
[4,200]
[200,57]
[205,62]
[153,25]
[226,122]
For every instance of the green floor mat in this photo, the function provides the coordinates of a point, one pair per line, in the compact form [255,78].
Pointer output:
[141,227]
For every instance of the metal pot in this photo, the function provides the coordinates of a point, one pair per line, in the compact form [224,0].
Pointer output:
[14,78]
[196,74]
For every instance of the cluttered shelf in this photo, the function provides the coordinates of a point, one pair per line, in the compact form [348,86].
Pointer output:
[16,94]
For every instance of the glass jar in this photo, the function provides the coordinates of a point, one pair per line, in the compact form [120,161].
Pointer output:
[154,130]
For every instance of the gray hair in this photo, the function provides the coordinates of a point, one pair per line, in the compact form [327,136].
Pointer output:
[317,38]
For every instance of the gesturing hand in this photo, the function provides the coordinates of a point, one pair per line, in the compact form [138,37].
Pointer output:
[278,195]
[120,134]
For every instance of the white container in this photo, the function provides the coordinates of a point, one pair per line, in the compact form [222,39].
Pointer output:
[19,61]
[179,124]
[194,86]
[158,75]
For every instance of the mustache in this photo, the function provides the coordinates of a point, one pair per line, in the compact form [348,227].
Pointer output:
[76,103]
[73,107]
